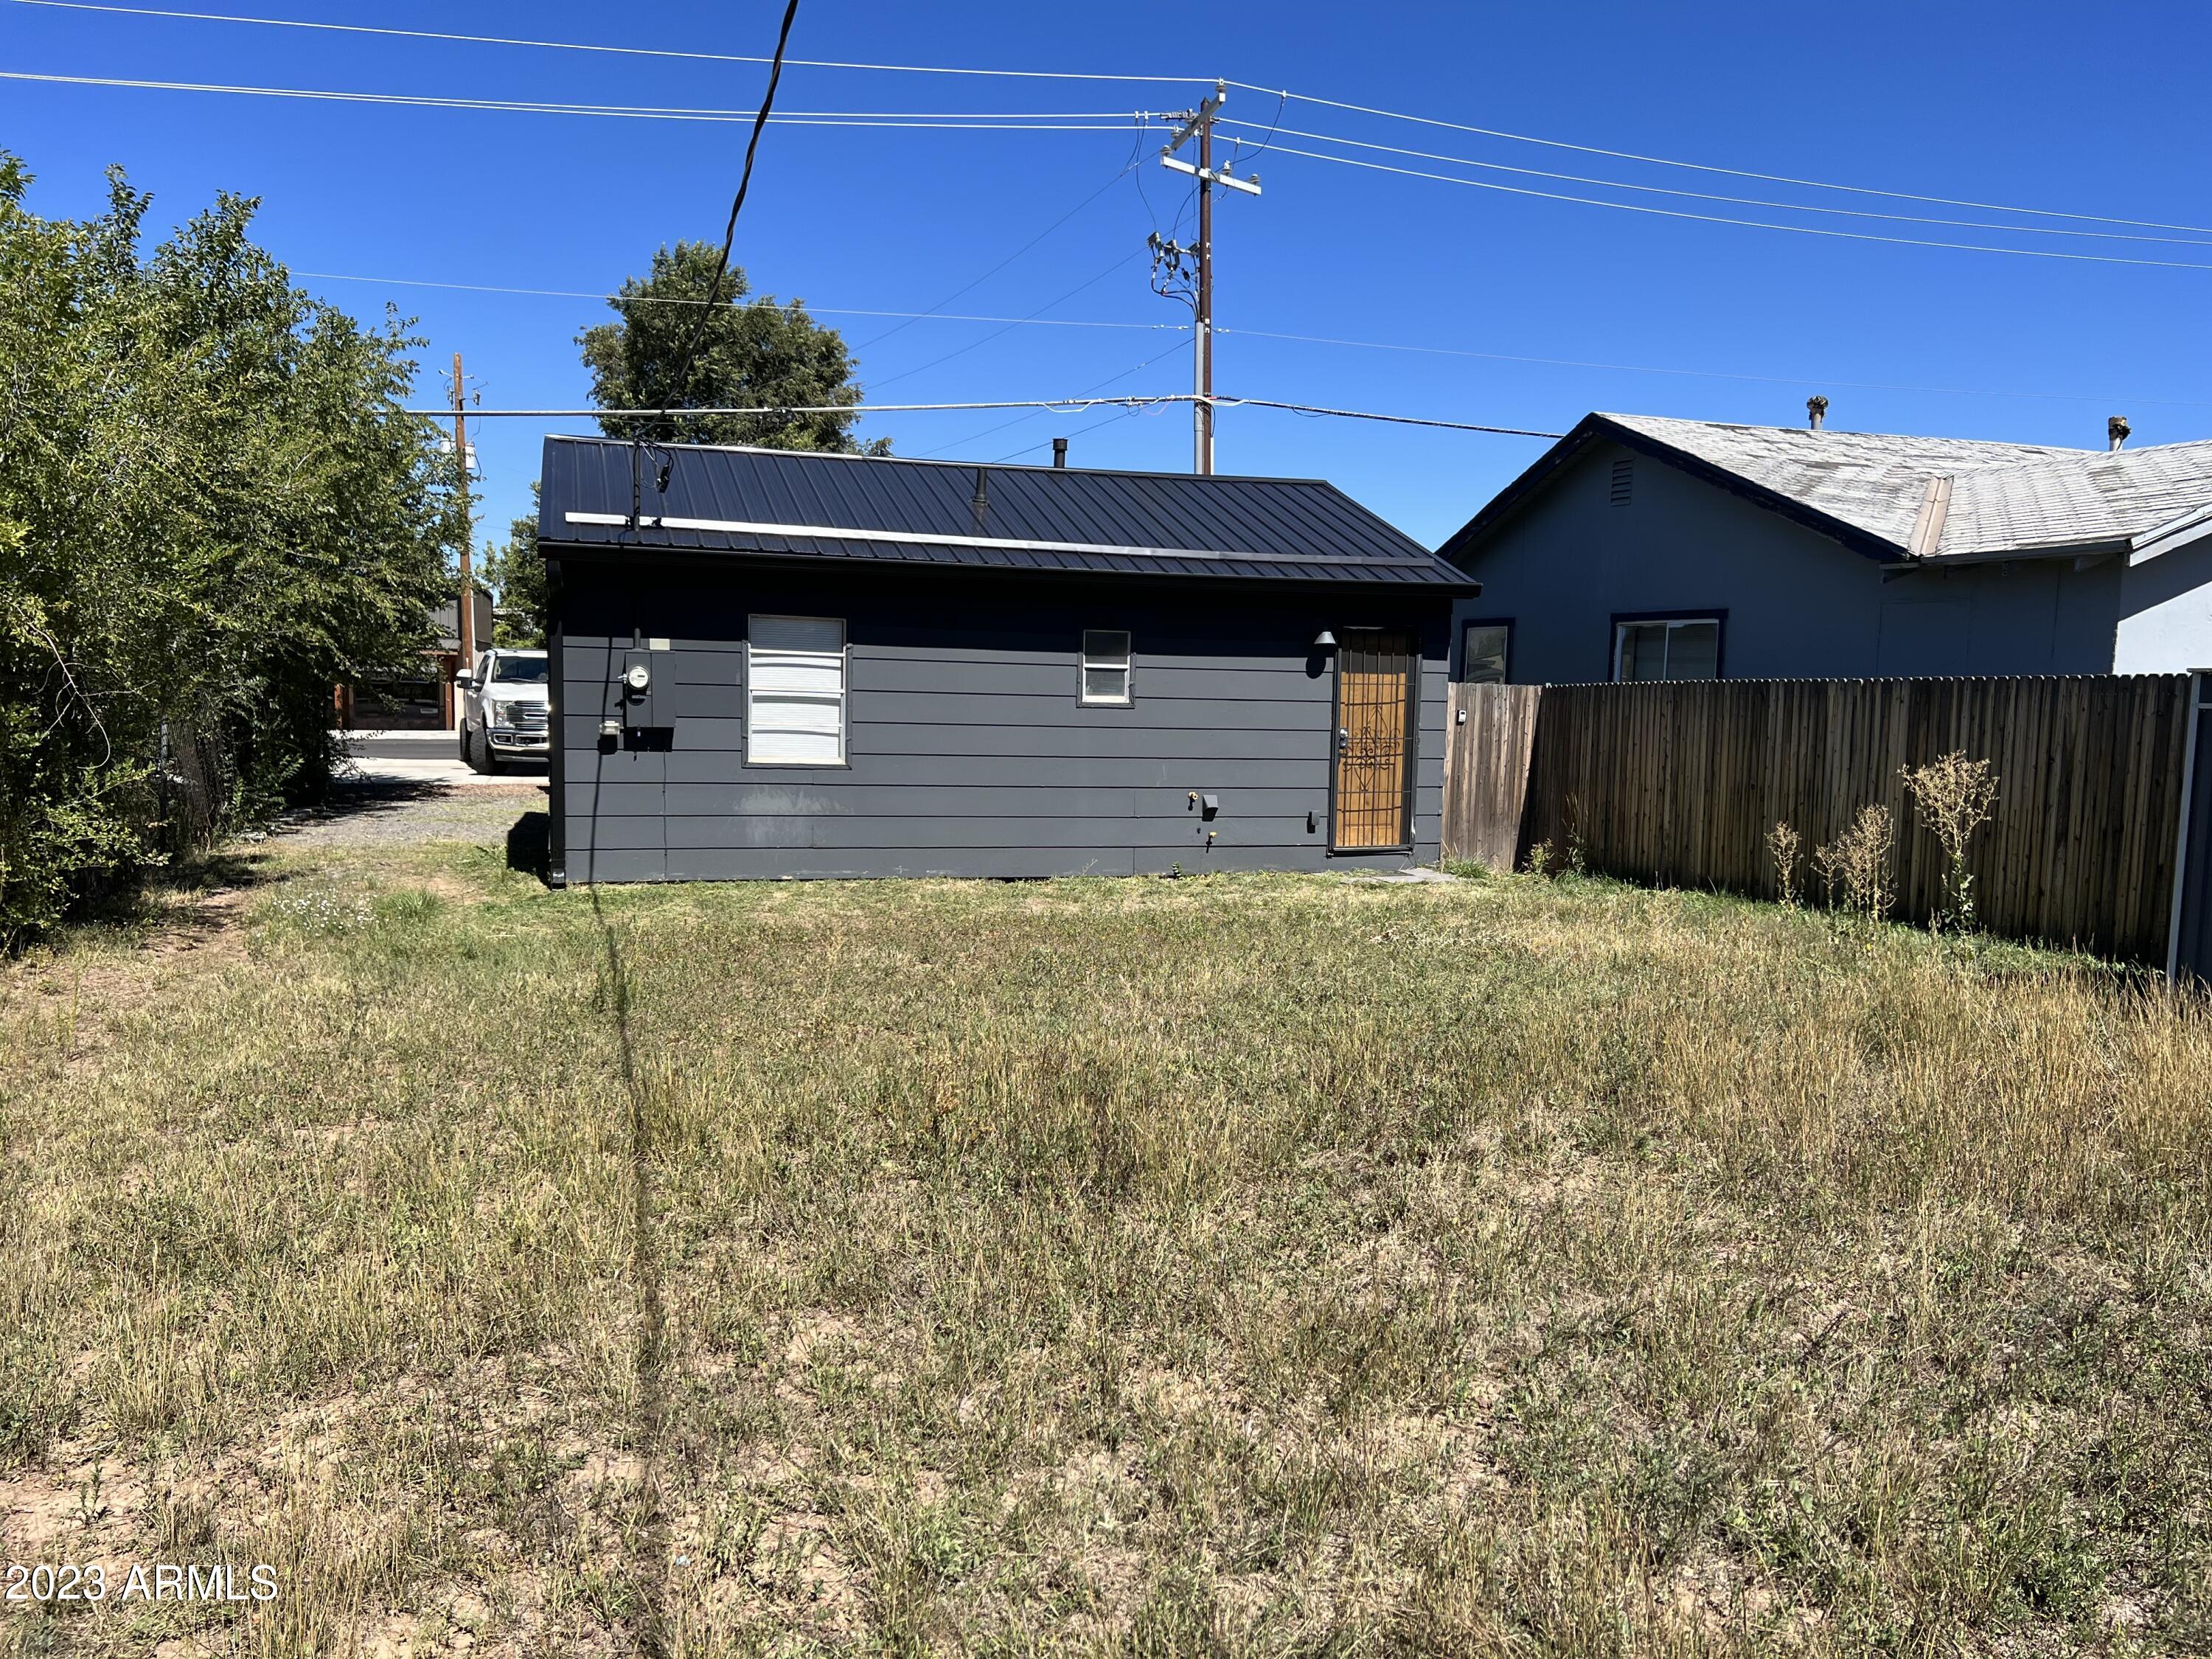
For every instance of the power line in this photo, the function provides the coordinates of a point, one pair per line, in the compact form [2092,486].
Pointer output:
[1280,94]
[1010,258]
[672,299]
[804,408]
[675,382]
[1134,402]
[1112,121]
[1721,374]
[1301,339]
[1118,262]
[626,52]
[1737,201]
[1019,420]
[1305,339]
[1088,426]
[1702,166]
[1395,420]
[1749,224]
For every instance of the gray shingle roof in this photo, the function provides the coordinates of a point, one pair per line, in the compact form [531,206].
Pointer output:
[1995,499]
[789,504]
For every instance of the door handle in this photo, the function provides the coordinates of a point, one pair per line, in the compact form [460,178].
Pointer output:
[1343,740]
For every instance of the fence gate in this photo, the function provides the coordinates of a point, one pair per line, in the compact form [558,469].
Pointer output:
[1486,750]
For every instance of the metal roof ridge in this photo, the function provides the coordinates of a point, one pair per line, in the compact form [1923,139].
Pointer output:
[917,460]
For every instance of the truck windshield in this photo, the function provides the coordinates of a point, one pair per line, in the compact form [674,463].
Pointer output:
[523,670]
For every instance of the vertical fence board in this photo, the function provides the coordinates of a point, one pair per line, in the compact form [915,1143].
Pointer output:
[1680,783]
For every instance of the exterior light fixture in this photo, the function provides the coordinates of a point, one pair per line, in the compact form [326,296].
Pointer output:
[1324,641]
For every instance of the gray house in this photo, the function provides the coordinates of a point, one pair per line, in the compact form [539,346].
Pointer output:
[1639,548]
[772,664]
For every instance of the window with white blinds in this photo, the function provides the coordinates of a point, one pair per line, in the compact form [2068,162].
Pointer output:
[795,691]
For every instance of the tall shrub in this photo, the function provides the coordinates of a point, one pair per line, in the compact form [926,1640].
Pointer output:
[212,511]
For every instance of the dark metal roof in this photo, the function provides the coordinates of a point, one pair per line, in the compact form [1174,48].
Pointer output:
[788,504]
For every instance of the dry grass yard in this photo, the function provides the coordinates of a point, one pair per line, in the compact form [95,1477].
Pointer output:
[1237,1265]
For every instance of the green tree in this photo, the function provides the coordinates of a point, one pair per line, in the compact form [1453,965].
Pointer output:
[212,510]
[517,578]
[752,354]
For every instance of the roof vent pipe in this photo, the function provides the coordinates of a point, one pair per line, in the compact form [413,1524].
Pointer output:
[980,501]
[1059,452]
[1816,410]
[2116,431]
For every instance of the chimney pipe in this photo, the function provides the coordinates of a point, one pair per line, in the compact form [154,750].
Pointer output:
[2116,431]
[1816,410]
[979,502]
[1059,452]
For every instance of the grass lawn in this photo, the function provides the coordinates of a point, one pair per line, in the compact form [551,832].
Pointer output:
[1217,1266]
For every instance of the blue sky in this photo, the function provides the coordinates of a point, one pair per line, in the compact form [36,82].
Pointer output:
[2025,104]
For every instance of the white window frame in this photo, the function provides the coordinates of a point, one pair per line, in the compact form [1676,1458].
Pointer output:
[843,693]
[1714,619]
[1126,664]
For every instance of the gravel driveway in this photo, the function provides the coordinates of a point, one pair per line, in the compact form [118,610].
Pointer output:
[393,813]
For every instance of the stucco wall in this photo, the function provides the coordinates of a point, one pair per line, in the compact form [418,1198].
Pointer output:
[1797,605]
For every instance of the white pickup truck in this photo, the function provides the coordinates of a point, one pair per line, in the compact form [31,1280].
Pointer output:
[504,709]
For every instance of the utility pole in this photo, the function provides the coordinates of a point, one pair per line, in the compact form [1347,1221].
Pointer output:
[1200,124]
[467,614]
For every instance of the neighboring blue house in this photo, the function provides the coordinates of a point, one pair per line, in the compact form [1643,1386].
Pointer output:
[1641,548]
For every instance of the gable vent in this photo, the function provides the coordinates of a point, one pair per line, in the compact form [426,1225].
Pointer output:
[1623,480]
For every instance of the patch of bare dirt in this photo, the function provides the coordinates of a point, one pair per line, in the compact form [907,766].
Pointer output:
[795,1554]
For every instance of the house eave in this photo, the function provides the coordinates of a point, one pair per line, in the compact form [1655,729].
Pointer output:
[581,552]
[2091,548]
[2184,529]
[1593,428]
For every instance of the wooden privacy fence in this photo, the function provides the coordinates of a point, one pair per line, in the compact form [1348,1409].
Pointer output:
[1678,783]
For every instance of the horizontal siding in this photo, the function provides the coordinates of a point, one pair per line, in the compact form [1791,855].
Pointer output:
[758,864]
[938,830]
[1213,773]
[1210,630]
[1311,713]
[968,752]
[792,829]
[1057,681]
[983,735]
[1085,800]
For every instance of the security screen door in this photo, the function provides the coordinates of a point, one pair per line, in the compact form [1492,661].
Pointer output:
[1373,792]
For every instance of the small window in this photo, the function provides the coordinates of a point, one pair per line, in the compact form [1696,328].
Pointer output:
[1483,653]
[1105,666]
[1667,649]
[794,691]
